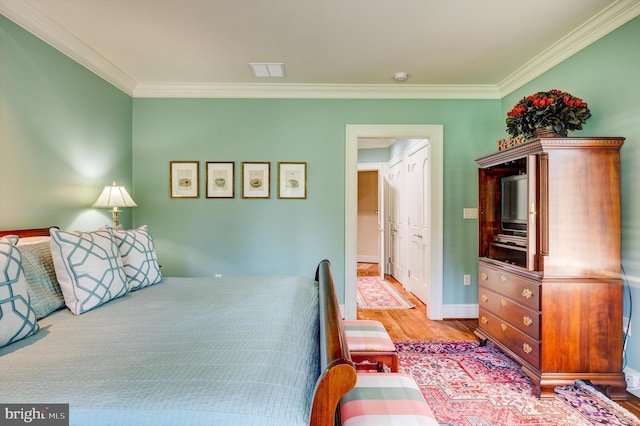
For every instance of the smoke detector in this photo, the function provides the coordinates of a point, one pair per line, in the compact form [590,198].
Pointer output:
[400,76]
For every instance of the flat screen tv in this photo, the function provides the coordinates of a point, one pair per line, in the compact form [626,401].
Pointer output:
[513,204]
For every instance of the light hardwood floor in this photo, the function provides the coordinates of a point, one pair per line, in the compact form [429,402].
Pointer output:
[413,324]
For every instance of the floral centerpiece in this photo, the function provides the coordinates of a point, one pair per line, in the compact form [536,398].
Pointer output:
[554,111]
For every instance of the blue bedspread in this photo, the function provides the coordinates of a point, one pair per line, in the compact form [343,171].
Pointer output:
[214,351]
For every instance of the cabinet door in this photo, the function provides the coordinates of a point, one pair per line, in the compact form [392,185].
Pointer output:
[535,214]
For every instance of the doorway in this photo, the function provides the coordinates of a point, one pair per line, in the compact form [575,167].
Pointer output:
[434,134]
[371,245]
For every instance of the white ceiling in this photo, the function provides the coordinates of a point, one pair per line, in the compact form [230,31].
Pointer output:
[330,48]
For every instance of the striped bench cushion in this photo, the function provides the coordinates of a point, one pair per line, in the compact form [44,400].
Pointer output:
[367,336]
[385,400]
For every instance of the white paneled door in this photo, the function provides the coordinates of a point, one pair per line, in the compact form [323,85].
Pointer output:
[418,205]
[397,222]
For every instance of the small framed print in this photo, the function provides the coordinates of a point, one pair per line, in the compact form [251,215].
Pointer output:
[255,180]
[184,179]
[292,180]
[220,179]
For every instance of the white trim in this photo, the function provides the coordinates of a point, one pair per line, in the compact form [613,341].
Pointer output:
[460,311]
[611,18]
[435,135]
[32,20]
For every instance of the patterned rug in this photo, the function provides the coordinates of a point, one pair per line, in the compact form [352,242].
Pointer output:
[373,293]
[465,384]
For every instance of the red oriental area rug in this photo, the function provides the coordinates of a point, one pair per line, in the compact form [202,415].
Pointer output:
[465,384]
[373,293]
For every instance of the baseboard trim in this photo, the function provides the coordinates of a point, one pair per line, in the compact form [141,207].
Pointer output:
[460,311]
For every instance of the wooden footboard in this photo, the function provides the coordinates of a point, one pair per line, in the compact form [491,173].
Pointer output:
[338,373]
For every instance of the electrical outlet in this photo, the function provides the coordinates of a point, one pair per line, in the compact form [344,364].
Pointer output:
[467,280]
[217,276]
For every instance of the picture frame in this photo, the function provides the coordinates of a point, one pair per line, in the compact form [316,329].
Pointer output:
[220,179]
[183,178]
[255,179]
[292,180]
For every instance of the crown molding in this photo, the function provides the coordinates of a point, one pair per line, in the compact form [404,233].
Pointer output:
[611,18]
[30,18]
[316,91]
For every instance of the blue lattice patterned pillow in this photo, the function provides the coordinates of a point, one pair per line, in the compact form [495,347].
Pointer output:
[138,257]
[88,267]
[17,317]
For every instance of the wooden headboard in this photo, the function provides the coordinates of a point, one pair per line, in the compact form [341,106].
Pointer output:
[35,232]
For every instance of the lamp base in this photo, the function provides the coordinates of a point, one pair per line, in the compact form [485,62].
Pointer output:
[114,213]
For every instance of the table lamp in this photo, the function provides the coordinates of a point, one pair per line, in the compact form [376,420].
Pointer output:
[112,197]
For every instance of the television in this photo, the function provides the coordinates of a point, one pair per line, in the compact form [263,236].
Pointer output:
[513,204]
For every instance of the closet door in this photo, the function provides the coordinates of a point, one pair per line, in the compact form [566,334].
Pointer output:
[418,222]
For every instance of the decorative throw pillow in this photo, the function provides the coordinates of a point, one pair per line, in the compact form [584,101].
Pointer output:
[17,317]
[42,285]
[138,256]
[88,267]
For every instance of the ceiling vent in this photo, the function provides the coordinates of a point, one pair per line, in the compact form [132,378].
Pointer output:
[268,70]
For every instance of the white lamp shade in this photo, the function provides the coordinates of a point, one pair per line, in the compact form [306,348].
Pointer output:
[114,196]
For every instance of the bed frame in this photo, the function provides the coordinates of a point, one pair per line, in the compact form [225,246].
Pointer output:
[338,374]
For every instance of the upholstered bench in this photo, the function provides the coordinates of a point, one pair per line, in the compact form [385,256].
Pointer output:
[370,345]
[388,399]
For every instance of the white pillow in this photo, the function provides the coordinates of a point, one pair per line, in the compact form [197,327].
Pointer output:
[17,317]
[138,257]
[88,267]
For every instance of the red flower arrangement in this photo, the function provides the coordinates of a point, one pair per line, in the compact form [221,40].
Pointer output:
[558,111]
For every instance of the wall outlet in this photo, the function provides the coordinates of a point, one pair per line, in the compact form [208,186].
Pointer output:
[632,377]
[217,276]
[467,280]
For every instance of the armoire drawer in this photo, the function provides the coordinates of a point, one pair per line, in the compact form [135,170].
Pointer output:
[519,343]
[524,319]
[521,290]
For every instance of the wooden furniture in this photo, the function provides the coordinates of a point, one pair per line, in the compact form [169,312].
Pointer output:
[551,295]
[370,346]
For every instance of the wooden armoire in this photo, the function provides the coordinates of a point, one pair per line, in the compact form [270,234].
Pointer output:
[550,289]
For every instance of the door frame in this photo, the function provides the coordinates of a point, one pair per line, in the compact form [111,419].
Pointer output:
[435,135]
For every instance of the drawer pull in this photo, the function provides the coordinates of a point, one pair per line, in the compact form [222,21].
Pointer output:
[503,278]
[527,293]
[503,326]
[484,298]
[484,276]
[527,321]
[484,320]
[526,348]
[504,302]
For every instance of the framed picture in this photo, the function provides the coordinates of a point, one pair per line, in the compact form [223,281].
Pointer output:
[292,180]
[255,180]
[220,179]
[184,179]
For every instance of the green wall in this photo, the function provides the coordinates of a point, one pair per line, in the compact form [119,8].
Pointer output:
[238,236]
[64,134]
[607,76]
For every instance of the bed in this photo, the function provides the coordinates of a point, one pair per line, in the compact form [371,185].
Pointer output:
[259,350]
